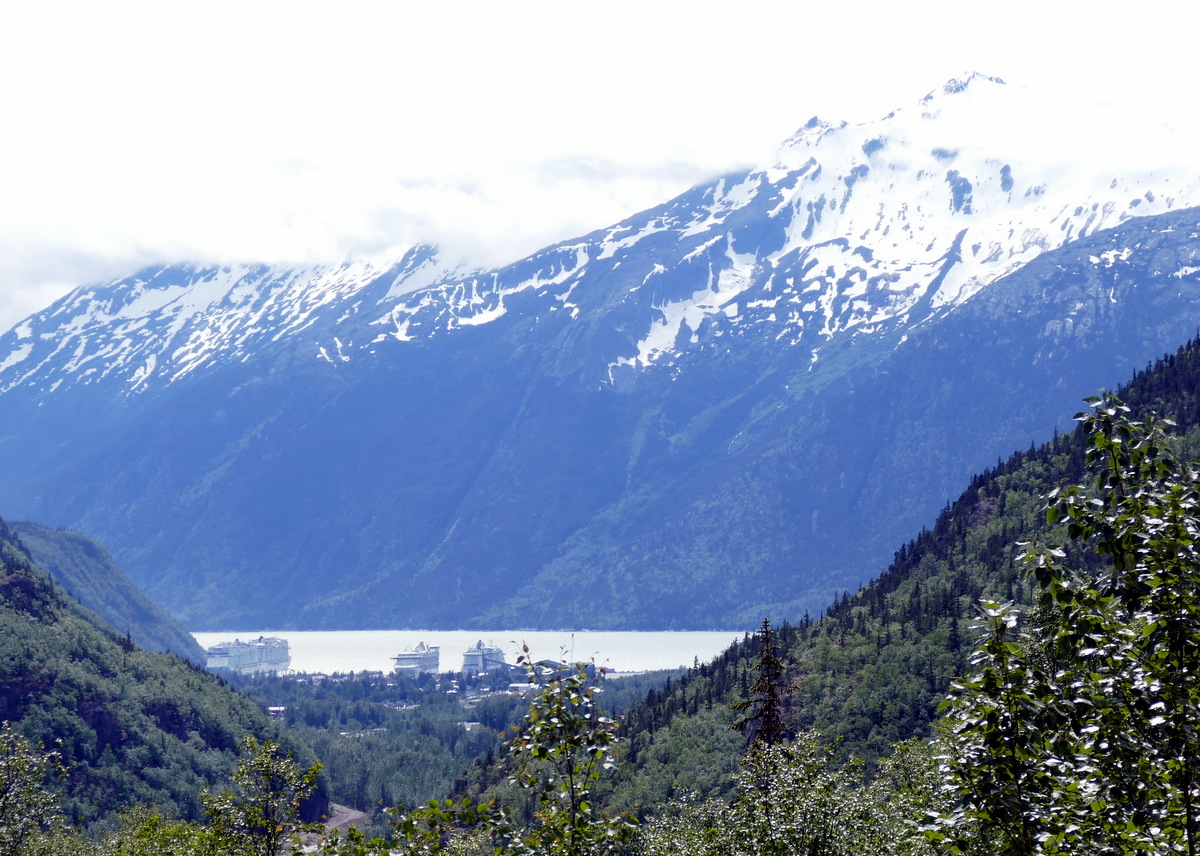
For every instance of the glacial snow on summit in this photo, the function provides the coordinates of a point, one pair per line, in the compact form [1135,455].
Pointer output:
[855,226]
[163,324]
[852,229]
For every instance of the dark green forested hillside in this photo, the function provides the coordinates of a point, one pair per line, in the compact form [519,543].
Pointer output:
[89,574]
[132,727]
[875,667]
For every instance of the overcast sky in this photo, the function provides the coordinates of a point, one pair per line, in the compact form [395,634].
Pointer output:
[292,132]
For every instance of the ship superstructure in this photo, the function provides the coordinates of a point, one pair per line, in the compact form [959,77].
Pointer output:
[420,659]
[264,654]
[480,658]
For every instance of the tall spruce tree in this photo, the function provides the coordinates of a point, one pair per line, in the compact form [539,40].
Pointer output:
[764,722]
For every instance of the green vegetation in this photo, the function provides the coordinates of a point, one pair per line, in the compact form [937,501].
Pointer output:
[791,795]
[255,818]
[1079,728]
[792,798]
[763,723]
[562,747]
[129,726]
[265,810]
[873,670]
[259,816]
[388,740]
[1072,731]
[89,574]
[29,813]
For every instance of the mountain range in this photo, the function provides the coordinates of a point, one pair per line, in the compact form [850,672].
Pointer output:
[732,405]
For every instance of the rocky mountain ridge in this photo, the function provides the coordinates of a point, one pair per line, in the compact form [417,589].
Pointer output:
[851,228]
[731,405]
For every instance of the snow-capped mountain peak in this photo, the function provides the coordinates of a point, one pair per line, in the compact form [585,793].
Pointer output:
[932,203]
[740,399]
[958,85]
[162,324]
[850,229]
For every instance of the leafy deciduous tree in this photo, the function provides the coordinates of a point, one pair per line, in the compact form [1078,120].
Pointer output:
[265,812]
[1079,731]
[794,800]
[27,809]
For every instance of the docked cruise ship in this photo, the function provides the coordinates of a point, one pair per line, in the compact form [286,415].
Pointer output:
[422,659]
[480,658]
[264,654]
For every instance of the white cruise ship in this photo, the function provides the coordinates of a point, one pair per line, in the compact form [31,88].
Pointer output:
[264,654]
[421,659]
[480,658]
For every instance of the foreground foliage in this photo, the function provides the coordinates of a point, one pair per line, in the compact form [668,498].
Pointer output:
[29,813]
[1079,730]
[793,799]
[259,816]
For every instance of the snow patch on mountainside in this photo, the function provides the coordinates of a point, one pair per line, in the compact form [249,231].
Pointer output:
[676,317]
[168,323]
[17,355]
[850,229]
[482,299]
[612,243]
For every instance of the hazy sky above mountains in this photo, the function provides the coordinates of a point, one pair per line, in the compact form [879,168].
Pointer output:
[136,133]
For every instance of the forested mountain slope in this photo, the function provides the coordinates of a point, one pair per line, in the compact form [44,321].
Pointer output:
[132,727]
[875,667]
[678,421]
[88,573]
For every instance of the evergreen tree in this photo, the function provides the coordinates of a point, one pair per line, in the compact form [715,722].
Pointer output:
[764,722]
